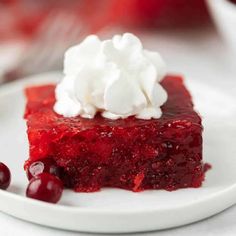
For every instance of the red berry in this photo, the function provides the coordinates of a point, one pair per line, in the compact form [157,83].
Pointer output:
[46,165]
[45,187]
[5,176]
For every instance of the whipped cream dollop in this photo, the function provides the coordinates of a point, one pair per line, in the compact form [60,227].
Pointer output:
[116,77]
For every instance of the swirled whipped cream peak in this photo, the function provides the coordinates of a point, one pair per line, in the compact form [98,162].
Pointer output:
[116,77]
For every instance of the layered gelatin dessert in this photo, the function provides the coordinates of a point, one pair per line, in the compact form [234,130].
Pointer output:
[116,120]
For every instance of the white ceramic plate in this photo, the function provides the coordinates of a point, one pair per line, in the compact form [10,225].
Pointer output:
[114,210]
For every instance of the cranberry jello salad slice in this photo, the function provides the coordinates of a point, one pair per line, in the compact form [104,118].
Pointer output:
[116,120]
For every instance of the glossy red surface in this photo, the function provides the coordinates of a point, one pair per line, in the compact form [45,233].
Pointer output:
[46,165]
[45,187]
[5,176]
[130,153]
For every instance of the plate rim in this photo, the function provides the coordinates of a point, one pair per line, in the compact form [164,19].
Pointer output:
[17,85]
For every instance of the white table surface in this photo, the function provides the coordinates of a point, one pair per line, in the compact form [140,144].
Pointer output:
[198,55]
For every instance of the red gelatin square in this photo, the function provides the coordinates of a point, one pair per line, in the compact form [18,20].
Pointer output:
[130,153]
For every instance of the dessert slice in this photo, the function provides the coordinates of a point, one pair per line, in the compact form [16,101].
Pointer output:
[130,153]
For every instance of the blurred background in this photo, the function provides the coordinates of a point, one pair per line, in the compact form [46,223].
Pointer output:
[195,37]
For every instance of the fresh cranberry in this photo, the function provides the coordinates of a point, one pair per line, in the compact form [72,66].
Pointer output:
[46,165]
[45,187]
[5,176]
